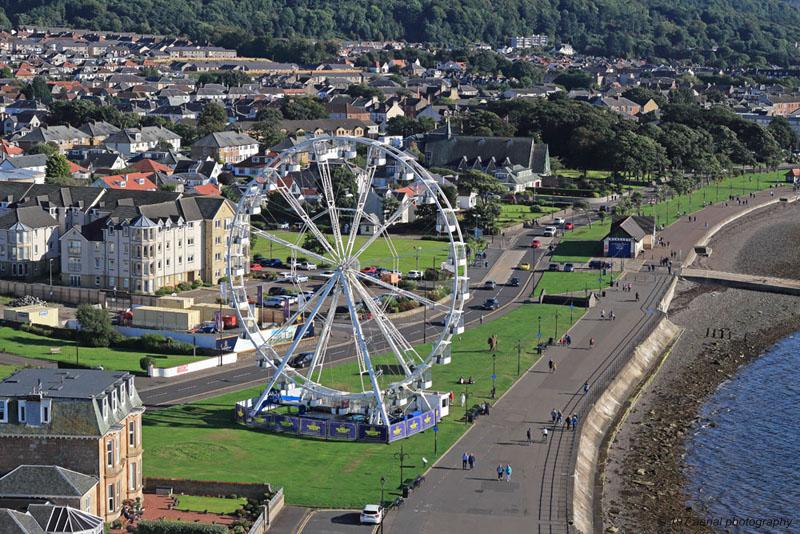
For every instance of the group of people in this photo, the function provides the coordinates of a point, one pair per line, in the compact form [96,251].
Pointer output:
[504,471]
[468,459]
[611,315]
[469,380]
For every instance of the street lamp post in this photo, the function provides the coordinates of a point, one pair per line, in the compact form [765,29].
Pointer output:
[556,329]
[466,402]
[494,373]
[519,354]
[383,485]
[401,456]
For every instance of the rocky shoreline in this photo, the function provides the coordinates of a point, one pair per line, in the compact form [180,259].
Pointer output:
[644,471]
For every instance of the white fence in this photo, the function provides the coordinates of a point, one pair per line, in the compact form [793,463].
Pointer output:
[207,363]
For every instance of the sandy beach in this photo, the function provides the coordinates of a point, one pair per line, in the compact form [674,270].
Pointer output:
[645,479]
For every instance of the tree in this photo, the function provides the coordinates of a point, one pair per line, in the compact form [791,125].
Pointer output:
[37,89]
[268,127]
[234,78]
[365,91]
[96,329]
[574,79]
[212,118]
[149,71]
[389,204]
[488,208]
[642,95]
[782,131]
[486,123]
[304,109]
[6,73]
[407,126]
[57,167]
[583,206]
[312,244]
[48,149]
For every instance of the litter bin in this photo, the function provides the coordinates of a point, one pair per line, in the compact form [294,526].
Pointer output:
[604,293]
[487,408]
[406,491]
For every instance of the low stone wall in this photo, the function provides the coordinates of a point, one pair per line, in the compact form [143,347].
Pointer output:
[208,487]
[602,415]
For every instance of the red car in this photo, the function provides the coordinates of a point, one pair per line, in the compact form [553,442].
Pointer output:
[568,226]
[255,267]
[535,243]
[369,270]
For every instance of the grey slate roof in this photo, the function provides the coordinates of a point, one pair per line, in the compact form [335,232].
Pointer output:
[633,227]
[45,481]
[31,216]
[98,128]
[448,151]
[224,139]
[27,162]
[13,522]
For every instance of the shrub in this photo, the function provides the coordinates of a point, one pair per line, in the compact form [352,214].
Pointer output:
[145,363]
[222,280]
[407,306]
[184,286]
[408,285]
[196,283]
[171,527]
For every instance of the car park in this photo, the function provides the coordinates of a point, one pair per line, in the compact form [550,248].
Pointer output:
[308,266]
[414,275]
[369,270]
[553,267]
[284,277]
[490,284]
[491,304]
[300,278]
[274,291]
[274,262]
[513,281]
[568,267]
[536,243]
[274,302]
[302,360]
[525,266]
[372,513]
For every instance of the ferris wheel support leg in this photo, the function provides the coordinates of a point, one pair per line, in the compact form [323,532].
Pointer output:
[367,359]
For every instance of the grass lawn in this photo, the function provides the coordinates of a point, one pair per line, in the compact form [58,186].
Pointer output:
[432,253]
[201,440]
[577,251]
[597,232]
[33,346]
[556,283]
[6,370]
[515,213]
[575,173]
[215,505]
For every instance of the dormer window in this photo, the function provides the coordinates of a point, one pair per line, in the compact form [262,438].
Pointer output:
[114,400]
[130,388]
[105,407]
[45,415]
[21,411]
[3,411]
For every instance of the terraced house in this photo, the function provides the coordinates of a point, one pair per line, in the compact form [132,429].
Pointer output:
[85,421]
[228,147]
[28,241]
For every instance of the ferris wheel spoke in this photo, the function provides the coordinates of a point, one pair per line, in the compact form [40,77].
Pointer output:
[364,190]
[316,300]
[324,336]
[386,224]
[288,244]
[348,294]
[330,200]
[300,212]
[413,296]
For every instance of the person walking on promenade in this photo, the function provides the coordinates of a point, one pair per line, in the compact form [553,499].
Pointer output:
[500,472]
[611,315]
[591,343]
[602,314]
[463,400]
[529,436]
[574,421]
[464,460]
[569,339]
[553,414]
[568,422]
[559,417]
[637,293]
[544,433]
[554,367]
[508,472]
[471,460]
[550,364]
[585,388]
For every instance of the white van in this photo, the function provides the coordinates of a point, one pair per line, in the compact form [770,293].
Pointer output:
[550,231]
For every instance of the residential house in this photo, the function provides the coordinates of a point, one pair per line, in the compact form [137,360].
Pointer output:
[355,127]
[98,131]
[65,137]
[51,483]
[228,147]
[28,241]
[620,105]
[133,181]
[217,218]
[90,421]
[104,162]
[133,141]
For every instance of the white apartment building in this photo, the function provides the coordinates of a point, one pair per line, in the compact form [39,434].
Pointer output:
[28,240]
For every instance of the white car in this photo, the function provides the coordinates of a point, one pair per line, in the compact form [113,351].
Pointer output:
[300,278]
[560,220]
[550,231]
[327,274]
[414,275]
[372,513]
[308,266]
[283,226]
[284,277]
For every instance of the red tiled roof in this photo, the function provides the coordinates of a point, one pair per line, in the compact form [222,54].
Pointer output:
[9,148]
[207,189]
[133,181]
[74,167]
[148,165]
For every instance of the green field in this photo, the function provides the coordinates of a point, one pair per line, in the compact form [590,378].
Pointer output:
[515,213]
[597,232]
[556,283]
[34,346]
[575,173]
[666,212]
[432,253]
[201,440]
[6,370]
[215,505]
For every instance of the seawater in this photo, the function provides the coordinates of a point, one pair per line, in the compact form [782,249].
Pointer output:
[746,465]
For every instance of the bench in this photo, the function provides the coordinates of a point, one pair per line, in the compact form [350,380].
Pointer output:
[55,350]
[163,490]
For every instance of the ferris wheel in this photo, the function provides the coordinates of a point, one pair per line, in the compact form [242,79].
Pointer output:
[349,313]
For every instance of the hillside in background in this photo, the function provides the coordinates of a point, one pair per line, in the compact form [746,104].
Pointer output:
[732,32]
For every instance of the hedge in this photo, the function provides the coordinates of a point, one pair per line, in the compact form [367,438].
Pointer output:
[176,527]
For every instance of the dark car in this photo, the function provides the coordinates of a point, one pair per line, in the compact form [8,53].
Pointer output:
[514,281]
[599,264]
[491,304]
[568,267]
[302,360]
[276,291]
[273,262]
[554,267]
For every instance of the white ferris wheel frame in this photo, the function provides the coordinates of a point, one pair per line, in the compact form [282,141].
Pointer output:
[347,278]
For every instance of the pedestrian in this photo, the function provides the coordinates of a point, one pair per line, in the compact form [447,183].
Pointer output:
[553,414]
[559,417]
[706,225]
[637,293]
[500,472]
[574,421]
[602,314]
[569,340]
[554,367]
[486,264]
[452,398]
[529,436]
[630,286]
[612,316]
[463,400]
[508,473]
[471,460]
[591,344]
[585,388]
[481,318]
[464,460]
[568,422]
[544,433]
[551,366]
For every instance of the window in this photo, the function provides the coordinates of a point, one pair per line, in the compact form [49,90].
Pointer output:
[168,243]
[116,448]
[111,264]
[122,392]
[190,241]
[218,240]
[139,478]
[118,491]
[159,248]
[45,412]
[21,411]
[217,224]
[3,411]
[218,257]
[88,507]
[74,264]
[110,453]
[112,282]
[97,263]
[126,283]
[125,265]
[125,249]
[97,280]
[189,259]
[111,497]
[105,407]
[114,400]
[131,433]
[180,259]
[132,476]
[130,388]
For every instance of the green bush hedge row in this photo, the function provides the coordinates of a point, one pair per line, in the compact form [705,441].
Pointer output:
[175,527]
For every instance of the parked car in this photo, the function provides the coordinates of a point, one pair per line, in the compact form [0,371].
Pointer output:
[264,262]
[525,266]
[550,231]
[600,264]
[490,284]
[559,221]
[300,278]
[369,270]
[326,274]
[569,226]
[513,281]
[568,267]
[255,266]
[274,302]
[414,275]
[284,277]
[208,327]
[277,290]
[553,267]
[283,226]
[536,243]
[302,360]
[491,304]
[274,262]
[308,266]
[372,513]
